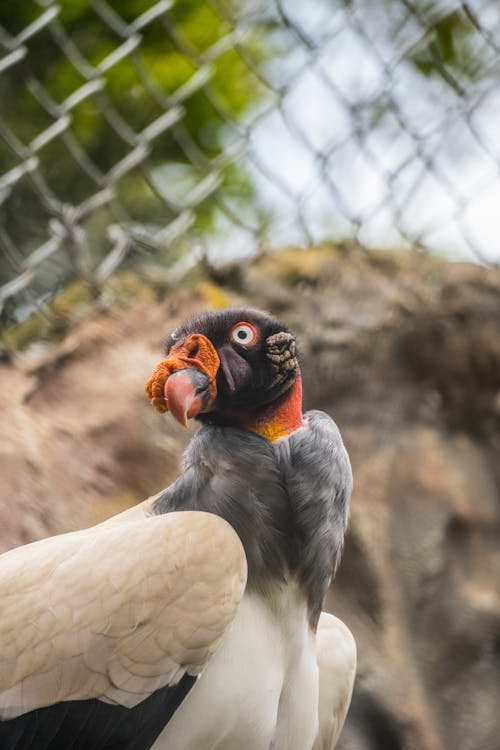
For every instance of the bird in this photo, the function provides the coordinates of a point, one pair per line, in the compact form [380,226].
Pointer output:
[194,619]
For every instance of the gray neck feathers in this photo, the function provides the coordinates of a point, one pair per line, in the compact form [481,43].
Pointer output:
[288,501]
[317,474]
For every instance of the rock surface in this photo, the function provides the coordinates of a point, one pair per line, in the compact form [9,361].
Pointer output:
[404,352]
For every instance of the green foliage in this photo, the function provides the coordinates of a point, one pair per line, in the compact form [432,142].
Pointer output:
[451,44]
[106,123]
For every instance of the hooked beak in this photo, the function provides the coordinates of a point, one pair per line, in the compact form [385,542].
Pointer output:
[187,393]
[184,383]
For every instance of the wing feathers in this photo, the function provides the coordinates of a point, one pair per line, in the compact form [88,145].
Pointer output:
[336,656]
[116,611]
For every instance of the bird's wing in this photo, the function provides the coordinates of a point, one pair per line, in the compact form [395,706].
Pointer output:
[336,656]
[117,611]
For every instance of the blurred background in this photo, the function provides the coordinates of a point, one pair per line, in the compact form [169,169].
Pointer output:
[336,162]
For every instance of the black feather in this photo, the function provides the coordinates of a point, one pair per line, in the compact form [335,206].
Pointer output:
[94,725]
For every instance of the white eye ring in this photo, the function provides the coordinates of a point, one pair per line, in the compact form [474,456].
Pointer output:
[244,334]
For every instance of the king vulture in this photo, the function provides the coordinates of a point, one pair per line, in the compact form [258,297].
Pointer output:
[193,620]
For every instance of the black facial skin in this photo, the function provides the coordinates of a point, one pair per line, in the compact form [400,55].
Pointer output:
[254,387]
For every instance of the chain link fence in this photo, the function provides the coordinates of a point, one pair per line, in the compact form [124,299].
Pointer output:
[143,134]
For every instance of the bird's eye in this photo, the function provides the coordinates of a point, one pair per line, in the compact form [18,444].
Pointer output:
[244,334]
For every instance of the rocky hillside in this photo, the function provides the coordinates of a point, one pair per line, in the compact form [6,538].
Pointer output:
[404,352]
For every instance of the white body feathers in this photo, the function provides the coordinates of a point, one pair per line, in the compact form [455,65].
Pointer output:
[261,690]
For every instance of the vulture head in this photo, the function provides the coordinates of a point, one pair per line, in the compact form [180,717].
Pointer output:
[236,367]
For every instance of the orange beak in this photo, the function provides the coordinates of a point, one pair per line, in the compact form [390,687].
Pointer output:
[184,383]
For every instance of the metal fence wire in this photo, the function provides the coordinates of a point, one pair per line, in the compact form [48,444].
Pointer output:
[140,134]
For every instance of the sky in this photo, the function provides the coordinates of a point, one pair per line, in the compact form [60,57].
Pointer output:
[361,143]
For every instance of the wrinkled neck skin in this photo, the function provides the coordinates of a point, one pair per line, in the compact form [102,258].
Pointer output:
[287,500]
